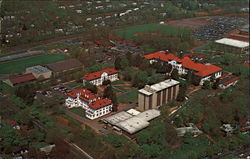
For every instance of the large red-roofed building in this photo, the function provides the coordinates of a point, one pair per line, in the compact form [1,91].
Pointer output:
[19,79]
[95,106]
[183,65]
[97,78]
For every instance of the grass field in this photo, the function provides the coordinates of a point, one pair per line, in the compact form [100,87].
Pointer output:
[130,96]
[20,65]
[129,32]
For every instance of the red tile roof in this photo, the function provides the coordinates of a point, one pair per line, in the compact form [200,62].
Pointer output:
[22,78]
[96,75]
[162,55]
[202,70]
[85,94]
[100,103]
[229,79]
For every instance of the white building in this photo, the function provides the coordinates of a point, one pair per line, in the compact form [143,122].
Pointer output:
[234,45]
[99,108]
[94,106]
[97,78]
[201,71]
[131,123]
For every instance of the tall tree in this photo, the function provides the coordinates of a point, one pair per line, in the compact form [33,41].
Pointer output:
[118,64]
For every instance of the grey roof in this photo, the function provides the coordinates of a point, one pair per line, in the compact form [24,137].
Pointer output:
[130,123]
[38,69]
[118,117]
[148,90]
[64,65]
[47,149]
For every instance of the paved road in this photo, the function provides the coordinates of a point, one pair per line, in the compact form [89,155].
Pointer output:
[79,149]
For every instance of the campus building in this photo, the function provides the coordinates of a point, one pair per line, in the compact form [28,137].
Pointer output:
[65,67]
[233,45]
[131,121]
[20,79]
[97,78]
[94,106]
[183,65]
[39,72]
[151,97]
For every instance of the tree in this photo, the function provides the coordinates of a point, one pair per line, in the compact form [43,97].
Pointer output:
[182,92]
[150,151]
[27,92]
[91,87]
[206,85]
[175,74]
[140,79]
[9,137]
[118,64]
[196,80]
[108,92]
[216,84]
[106,82]
[124,63]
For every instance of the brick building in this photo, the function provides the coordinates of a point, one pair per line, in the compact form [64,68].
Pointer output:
[156,95]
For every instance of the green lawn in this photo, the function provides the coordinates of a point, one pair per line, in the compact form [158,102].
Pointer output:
[74,85]
[130,96]
[78,111]
[118,82]
[20,65]
[131,31]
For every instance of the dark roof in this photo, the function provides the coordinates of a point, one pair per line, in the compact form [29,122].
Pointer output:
[64,65]
[22,78]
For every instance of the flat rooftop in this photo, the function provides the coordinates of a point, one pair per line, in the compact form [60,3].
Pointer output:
[132,123]
[118,117]
[233,42]
[149,90]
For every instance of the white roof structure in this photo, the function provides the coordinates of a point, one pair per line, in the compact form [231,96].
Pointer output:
[118,117]
[149,90]
[132,123]
[232,42]
[149,114]
[133,112]
[38,69]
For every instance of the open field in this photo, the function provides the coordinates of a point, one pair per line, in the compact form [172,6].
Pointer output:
[20,65]
[131,32]
[127,97]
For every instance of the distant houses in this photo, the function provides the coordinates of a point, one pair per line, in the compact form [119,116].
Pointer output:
[97,78]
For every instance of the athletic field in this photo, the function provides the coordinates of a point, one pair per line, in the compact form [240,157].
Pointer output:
[130,32]
[20,65]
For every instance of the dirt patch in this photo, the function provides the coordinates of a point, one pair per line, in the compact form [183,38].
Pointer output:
[121,106]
